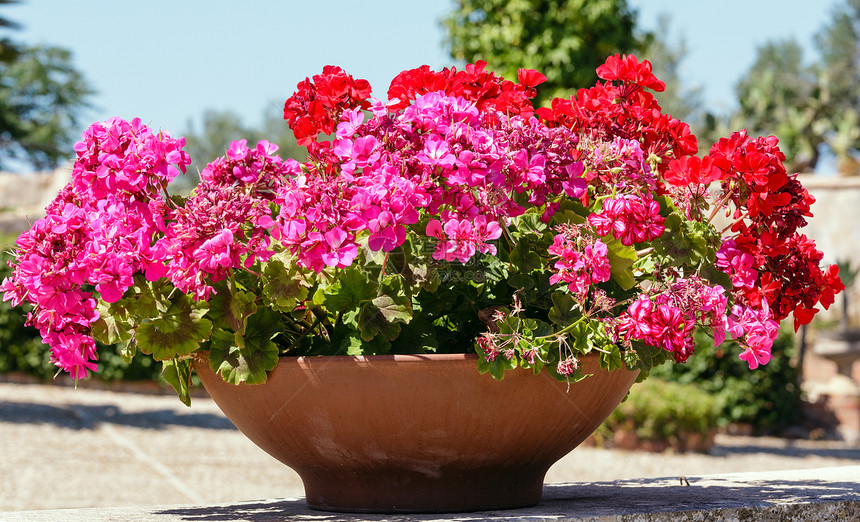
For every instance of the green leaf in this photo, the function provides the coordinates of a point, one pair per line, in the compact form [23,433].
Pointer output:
[611,358]
[419,336]
[355,345]
[224,355]
[631,359]
[621,259]
[571,211]
[667,206]
[177,373]
[231,307]
[383,315]
[348,292]
[247,358]
[426,277]
[520,281]
[649,356]
[685,242]
[529,223]
[716,276]
[111,327]
[496,367]
[535,327]
[448,300]
[128,351]
[262,327]
[524,258]
[350,318]
[395,309]
[178,331]
[284,287]
[145,300]
[148,299]
[565,309]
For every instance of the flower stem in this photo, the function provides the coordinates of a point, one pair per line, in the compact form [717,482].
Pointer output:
[732,224]
[382,270]
[560,333]
[306,332]
[252,272]
[720,204]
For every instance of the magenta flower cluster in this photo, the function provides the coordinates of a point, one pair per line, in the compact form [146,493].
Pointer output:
[440,157]
[223,225]
[582,261]
[99,232]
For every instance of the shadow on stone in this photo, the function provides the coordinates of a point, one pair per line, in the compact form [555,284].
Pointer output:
[251,511]
[88,417]
[713,496]
[788,451]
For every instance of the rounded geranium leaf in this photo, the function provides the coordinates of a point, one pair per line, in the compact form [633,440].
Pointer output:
[246,358]
[178,331]
[231,307]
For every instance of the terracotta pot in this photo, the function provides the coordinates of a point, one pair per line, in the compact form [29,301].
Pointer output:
[416,433]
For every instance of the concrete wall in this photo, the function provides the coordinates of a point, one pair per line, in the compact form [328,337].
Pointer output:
[835,227]
[23,197]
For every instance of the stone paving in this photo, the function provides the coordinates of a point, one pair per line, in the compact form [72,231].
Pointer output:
[822,495]
[86,448]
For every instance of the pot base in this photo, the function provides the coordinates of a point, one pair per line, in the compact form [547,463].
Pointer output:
[417,433]
[404,491]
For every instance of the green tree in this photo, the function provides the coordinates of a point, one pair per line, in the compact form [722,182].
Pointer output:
[681,101]
[9,50]
[565,40]
[42,100]
[782,96]
[809,107]
[838,45]
[217,129]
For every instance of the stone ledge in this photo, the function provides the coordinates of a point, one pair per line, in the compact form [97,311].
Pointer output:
[824,494]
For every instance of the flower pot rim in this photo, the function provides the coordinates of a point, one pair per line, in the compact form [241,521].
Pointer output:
[399,358]
[411,363]
[203,355]
[418,358]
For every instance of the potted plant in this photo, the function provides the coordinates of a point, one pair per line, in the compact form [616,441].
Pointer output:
[571,241]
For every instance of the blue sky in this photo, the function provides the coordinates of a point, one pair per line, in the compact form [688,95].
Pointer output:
[166,61]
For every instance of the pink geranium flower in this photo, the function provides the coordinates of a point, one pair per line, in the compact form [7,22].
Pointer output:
[341,251]
[436,153]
